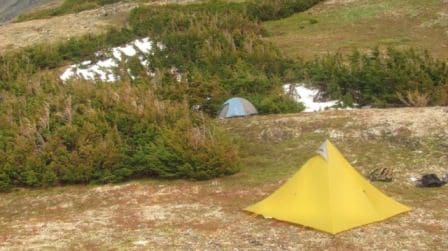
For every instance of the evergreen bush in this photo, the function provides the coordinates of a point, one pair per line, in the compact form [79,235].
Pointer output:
[382,79]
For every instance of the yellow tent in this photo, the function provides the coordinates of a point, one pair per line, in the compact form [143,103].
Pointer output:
[328,194]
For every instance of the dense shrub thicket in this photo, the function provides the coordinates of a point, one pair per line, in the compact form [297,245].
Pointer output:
[220,51]
[80,132]
[390,78]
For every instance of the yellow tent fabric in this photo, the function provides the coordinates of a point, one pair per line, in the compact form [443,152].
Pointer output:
[328,194]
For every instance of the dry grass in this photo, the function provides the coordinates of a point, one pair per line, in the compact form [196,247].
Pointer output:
[60,28]
[183,215]
[343,25]
[20,35]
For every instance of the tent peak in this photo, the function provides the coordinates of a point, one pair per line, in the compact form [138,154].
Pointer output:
[323,150]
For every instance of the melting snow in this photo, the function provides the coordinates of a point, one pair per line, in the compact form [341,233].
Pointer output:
[307,96]
[128,50]
[105,70]
[144,45]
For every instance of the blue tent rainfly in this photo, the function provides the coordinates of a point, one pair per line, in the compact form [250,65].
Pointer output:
[237,107]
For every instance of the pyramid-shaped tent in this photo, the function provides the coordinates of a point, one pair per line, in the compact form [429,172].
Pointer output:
[328,194]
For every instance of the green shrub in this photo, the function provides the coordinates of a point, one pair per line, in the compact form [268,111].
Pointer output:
[277,104]
[276,9]
[67,7]
[5,182]
[381,79]
[83,133]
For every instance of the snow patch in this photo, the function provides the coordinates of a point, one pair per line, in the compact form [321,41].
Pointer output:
[144,45]
[308,97]
[106,69]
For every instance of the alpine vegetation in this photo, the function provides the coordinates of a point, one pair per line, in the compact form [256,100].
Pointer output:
[62,129]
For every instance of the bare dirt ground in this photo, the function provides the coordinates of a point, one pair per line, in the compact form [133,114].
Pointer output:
[19,35]
[11,8]
[187,215]
[23,34]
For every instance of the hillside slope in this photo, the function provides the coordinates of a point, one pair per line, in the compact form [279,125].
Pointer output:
[341,25]
[333,25]
[151,214]
[11,8]
[23,34]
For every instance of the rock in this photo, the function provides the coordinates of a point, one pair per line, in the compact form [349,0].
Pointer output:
[381,174]
[256,242]
[431,180]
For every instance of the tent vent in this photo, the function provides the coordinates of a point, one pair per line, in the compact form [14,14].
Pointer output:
[323,151]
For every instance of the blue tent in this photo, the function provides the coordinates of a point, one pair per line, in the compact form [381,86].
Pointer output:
[237,107]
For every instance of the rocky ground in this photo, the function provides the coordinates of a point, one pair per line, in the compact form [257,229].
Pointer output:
[187,215]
